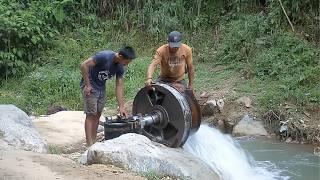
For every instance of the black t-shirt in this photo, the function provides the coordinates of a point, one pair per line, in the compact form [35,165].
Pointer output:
[104,69]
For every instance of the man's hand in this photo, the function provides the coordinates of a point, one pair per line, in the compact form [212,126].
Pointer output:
[122,112]
[87,90]
[148,82]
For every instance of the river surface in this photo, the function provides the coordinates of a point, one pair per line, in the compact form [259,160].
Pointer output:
[296,161]
[253,158]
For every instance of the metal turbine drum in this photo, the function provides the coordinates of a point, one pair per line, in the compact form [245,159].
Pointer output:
[174,122]
[160,112]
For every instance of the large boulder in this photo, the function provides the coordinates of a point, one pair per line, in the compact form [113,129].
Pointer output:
[249,127]
[16,129]
[139,154]
[5,146]
[62,128]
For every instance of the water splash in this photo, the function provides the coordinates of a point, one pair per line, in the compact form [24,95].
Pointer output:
[227,158]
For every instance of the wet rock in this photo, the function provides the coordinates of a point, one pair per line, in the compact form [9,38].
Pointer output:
[139,154]
[248,126]
[288,140]
[246,101]
[316,151]
[221,125]
[283,129]
[232,119]
[216,122]
[18,131]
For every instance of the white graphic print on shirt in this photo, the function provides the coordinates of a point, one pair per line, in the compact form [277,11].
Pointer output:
[103,75]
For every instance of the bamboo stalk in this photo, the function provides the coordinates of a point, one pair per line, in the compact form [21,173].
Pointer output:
[199,7]
[285,13]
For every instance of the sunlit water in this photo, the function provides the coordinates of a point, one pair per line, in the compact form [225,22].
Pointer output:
[226,156]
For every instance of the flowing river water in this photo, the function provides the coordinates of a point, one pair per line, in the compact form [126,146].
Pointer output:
[251,158]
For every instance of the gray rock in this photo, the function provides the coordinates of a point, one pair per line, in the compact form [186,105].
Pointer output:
[220,104]
[139,154]
[83,158]
[17,130]
[250,127]
[210,108]
[316,151]
[100,129]
[55,109]
[4,145]
[216,122]
[246,101]
[61,129]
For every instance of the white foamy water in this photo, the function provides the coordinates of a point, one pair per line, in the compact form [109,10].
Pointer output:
[227,158]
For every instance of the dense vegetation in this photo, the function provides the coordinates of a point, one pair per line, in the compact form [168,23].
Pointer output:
[274,45]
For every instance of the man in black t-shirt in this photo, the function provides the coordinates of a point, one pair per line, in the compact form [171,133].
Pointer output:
[95,71]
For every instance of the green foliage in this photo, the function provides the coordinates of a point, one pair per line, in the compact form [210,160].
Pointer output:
[158,17]
[303,14]
[58,11]
[252,46]
[47,86]
[58,81]
[151,176]
[28,27]
[298,11]
[23,31]
[287,56]
[285,67]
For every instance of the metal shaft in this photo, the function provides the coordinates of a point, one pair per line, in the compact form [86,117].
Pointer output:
[153,118]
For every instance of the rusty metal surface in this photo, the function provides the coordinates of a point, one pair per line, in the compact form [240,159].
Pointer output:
[195,110]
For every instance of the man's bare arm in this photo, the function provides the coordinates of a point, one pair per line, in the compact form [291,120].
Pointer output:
[152,67]
[190,68]
[119,92]
[85,66]
[120,96]
[191,75]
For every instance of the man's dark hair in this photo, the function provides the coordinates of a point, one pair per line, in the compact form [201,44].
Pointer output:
[128,52]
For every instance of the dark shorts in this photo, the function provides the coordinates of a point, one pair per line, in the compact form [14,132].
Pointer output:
[179,85]
[94,103]
[183,82]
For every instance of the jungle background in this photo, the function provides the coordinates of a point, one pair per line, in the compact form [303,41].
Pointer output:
[270,46]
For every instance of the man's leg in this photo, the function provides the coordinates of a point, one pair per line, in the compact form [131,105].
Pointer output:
[93,105]
[91,125]
[93,121]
